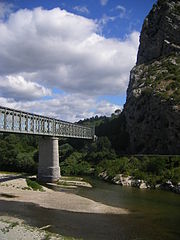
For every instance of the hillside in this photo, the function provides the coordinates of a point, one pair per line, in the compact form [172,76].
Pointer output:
[113,127]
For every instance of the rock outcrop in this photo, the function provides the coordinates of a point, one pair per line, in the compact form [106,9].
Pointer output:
[130,181]
[161,31]
[152,108]
[127,181]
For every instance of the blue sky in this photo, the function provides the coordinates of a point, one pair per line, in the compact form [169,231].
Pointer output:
[68,59]
[132,19]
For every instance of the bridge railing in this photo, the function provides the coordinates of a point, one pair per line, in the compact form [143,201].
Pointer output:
[15,121]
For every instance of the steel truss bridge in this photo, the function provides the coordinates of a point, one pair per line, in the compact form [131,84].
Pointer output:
[15,121]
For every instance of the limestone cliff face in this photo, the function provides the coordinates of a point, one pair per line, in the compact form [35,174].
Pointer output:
[161,31]
[152,108]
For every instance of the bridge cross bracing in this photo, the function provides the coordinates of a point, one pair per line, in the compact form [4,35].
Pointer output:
[15,121]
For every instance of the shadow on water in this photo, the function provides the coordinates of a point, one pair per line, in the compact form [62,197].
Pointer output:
[88,226]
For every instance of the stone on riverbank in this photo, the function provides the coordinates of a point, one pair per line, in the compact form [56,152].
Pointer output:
[130,181]
[168,186]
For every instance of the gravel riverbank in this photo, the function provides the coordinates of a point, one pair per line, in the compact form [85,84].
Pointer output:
[14,188]
[14,229]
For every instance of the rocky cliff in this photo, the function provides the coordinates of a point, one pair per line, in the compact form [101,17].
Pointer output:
[152,108]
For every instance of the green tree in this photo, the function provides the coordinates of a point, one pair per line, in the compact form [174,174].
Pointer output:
[156,165]
[65,151]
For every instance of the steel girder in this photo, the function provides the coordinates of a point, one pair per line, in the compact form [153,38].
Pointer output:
[15,121]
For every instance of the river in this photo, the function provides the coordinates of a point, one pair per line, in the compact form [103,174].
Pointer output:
[154,215]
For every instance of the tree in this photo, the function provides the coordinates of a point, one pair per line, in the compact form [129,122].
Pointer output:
[65,150]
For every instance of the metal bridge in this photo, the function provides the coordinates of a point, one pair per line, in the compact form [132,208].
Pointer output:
[15,121]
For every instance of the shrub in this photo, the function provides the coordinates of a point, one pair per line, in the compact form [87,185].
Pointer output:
[75,165]
[155,165]
[175,176]
[34,185]
[65,151]
[113,167]
[25,162]
[152,180]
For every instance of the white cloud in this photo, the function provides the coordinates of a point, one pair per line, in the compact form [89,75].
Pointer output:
[105,19]
[103,2]
[106,108]
[122,11]
[45,49]
[65,51]
[81,9]
[71,107]
[18,88]
[7,102]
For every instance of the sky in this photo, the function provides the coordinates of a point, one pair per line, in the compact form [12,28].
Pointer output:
[68,59]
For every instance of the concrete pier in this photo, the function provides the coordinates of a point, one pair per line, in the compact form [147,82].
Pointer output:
[48,170]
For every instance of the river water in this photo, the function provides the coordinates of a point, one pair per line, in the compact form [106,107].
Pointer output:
[154,215]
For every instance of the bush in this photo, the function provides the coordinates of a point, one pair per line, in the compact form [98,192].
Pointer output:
[65,151]
[175,161]
[99,151]
[75,165]
[34,185]
[137,174]
[25,162]
[156,165]
[175,176]
[154,170]
[16,154]
[152,180]
[113,167]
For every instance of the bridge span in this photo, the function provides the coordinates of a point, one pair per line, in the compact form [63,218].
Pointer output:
[50,129]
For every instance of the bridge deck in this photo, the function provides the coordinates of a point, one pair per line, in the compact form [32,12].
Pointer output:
[15,121]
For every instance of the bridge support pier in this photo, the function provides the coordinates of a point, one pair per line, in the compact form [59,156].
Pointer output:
[48,170]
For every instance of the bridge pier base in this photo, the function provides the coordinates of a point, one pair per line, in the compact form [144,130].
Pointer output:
[48,170]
